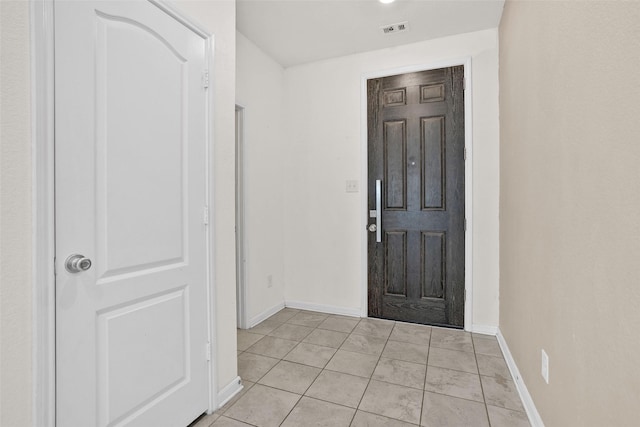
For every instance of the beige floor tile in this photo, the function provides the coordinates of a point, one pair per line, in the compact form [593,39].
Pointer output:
[393,401]
[206,421]
[368,372]
[339,323]
[263,406]
[488,347]
[307,318]
[365,419]
[290,376]
[451,339]
[337,387]
[283,315]
[348,362]
[409,332]
[493,366]
[291,332]
[272,347]
[406,351]
[247,339]
[364,344]
[326,338]
[501,392]
[452,359]
[251,367]
[265,327]
[246,385]
[408,374]
[439,410]
[311,355]
[501,417]
[378,328]
[477,336]
[229,422]
[453,383]
[313,412]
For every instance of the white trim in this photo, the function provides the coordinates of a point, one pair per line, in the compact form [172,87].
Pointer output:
[468,175]
[229,391]
[43,241]
[242,290]
[211,277]
[527,401]
[265,314]
[172,10]
[484,329]
[329,309]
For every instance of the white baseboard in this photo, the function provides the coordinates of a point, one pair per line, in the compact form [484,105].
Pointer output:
[330,309]
[527,401]
[485,330]
[230,390]
[266,314]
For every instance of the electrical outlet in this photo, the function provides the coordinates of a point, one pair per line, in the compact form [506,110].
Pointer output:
[545,366]
[352,186]
[269,281]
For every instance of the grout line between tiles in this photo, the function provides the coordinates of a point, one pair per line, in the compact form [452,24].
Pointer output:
[424,382]
[370,376]
[484,398]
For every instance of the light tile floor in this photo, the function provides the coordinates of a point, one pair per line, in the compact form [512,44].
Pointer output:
[302,368]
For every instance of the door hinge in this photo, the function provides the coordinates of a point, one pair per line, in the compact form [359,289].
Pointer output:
[464,83]
[205,215]
[465,224]
[207,351]
[465,154]
[205,79]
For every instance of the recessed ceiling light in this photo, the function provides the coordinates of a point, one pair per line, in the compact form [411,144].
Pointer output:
[386,1]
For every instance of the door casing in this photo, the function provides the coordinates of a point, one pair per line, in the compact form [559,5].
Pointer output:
[241,241]
[468,169]
[43,213]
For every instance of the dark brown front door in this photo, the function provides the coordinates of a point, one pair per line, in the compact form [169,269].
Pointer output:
[416,152]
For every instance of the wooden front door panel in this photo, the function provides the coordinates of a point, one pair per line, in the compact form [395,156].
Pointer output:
[416,150]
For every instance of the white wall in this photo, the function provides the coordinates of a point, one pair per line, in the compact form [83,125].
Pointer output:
[570,204]
[260,90]
[323,223]
[15,215]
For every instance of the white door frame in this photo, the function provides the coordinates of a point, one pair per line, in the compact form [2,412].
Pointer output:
[43,190]
[241,241]
[468,177]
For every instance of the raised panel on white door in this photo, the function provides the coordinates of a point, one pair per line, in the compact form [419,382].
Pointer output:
[143,353]
[141,112]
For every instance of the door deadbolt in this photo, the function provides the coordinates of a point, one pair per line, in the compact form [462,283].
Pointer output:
[373,228]
[77,263]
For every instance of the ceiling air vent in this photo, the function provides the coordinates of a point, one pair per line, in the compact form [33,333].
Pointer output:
[396,28]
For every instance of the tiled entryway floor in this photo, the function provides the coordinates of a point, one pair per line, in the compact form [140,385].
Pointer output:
[302,368]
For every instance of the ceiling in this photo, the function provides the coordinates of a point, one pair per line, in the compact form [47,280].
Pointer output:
[295,32]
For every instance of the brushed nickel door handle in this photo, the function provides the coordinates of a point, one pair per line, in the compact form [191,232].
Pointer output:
[378,223]
[77,263]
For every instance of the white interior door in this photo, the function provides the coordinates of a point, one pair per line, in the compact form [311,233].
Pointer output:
[130,160]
